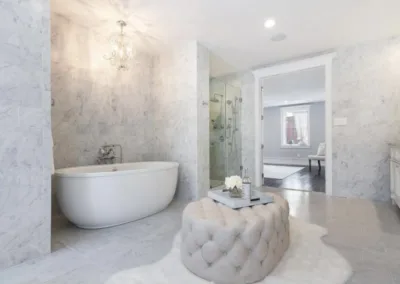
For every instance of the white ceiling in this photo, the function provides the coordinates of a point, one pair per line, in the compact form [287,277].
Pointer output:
[233,29]
[298,87]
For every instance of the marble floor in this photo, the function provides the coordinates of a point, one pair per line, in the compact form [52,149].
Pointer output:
[367,234]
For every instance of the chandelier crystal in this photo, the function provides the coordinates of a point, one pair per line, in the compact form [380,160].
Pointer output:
[121,51]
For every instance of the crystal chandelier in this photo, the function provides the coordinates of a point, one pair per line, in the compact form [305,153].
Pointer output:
[121,49]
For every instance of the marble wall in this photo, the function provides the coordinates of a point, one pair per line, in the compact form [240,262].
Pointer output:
[366,90]
[180,120]
[154,109]
[247,82]
[25,139]
[96,104]
[203,120]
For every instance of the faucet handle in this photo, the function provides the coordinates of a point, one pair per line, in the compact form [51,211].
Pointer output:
[102,151]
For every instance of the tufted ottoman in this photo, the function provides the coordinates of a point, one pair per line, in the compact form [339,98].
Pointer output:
[229,246]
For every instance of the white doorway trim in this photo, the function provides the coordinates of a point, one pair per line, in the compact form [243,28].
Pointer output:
[324,60]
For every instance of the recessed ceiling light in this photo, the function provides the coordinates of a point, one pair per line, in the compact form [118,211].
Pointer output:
[270,23]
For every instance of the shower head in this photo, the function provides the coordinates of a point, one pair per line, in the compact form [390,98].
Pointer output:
[228,102]
[214,98]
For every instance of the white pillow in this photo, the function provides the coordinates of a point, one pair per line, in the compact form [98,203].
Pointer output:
[321,149]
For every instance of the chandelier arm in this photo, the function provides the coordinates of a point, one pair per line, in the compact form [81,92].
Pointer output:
[122,51]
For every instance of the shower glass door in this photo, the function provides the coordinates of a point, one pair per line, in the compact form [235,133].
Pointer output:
[225,131]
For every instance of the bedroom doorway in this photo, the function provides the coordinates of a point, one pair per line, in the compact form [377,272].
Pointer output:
[298,117]
[294,130]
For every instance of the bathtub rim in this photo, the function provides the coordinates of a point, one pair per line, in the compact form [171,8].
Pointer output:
[64,172]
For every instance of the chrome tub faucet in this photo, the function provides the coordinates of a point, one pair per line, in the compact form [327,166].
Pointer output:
[107,154]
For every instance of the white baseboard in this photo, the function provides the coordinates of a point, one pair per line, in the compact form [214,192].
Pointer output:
[289,161]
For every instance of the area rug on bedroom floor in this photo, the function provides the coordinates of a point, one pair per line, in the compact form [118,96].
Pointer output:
[308,260]
[280,172]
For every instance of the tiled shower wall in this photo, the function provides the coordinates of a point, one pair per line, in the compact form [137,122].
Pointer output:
[246,82]
[225,130]
[25,138]
[217,130]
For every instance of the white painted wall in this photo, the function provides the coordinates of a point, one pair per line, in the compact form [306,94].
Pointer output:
[272,136]
[294,98]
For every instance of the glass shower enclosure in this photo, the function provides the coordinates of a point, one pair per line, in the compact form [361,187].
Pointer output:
[225,131]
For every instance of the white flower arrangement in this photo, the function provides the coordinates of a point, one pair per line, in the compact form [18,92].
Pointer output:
[233,181]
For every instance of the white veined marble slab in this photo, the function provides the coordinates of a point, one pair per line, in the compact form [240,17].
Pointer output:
[236,203]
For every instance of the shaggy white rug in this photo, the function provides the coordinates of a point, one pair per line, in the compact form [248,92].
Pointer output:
[280,172]
[308,260]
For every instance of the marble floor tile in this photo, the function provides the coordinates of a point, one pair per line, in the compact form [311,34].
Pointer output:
[396,277]
[367,234]
[45,268]
[88,274]
[374,276]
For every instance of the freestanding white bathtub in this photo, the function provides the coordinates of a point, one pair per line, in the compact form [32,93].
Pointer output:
[102,196]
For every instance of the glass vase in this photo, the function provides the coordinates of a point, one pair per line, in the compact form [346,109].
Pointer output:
[235,192]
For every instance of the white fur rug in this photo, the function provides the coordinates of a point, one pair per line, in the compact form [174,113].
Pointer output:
[308,260]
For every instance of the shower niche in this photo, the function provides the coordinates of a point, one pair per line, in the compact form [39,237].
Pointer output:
[225,131]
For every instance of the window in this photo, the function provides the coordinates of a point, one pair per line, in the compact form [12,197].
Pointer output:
[295,127]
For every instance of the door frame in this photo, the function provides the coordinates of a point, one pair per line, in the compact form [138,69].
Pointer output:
[326,61]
